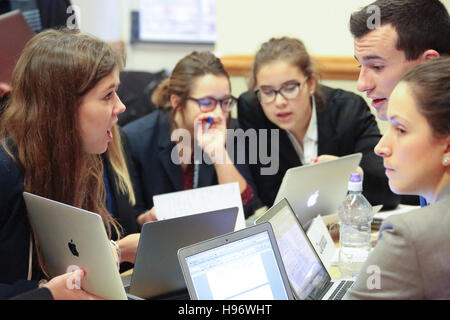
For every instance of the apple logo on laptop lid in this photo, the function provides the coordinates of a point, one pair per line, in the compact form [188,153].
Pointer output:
[312,200]
[73,248]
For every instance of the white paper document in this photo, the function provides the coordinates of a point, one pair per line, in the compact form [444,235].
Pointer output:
[401,208]
[199,200]
[322,242]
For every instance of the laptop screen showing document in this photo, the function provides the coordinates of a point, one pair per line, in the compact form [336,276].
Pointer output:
[247,268]
[307,275]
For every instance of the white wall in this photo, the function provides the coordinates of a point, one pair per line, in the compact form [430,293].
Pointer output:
[322,24]
[100,18]
[242,25]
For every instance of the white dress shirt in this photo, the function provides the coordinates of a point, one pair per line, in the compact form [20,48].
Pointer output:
[310,140]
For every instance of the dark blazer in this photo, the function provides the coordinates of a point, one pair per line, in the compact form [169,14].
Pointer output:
[15,229]
[151,149]
[14,233]
[345,126]
[36,294]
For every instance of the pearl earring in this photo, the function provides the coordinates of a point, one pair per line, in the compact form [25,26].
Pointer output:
[445,161]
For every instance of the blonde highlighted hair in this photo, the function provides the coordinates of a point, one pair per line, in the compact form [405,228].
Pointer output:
[115,156]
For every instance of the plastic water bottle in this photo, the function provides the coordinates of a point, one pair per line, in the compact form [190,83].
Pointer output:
[355,218]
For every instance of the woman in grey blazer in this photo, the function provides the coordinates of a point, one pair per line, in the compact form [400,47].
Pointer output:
[412,257]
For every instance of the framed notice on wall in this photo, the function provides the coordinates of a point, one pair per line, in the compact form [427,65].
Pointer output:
[174,21]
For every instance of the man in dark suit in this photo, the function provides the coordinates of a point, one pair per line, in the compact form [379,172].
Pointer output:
[407,34]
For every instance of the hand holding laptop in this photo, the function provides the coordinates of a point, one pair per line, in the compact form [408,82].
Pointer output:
[328,157]
[148,216]
[64,287]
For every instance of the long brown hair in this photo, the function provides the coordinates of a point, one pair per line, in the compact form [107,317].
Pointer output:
[56,69]
[180,83]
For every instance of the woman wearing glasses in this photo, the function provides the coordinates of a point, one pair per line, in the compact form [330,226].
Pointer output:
[190,125]
[316,123]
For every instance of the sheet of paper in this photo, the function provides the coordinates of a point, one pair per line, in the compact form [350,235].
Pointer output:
[321,240]
[401,208]
[183,203]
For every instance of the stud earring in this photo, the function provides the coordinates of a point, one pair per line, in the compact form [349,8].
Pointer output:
[445,161]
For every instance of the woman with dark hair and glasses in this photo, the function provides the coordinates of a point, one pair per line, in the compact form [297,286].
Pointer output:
[183,144]
[316,123]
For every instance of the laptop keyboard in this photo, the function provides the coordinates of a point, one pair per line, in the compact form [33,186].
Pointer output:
[340,291]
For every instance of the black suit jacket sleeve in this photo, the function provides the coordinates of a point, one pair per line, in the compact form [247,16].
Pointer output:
[36,294]
[347,126]
[10,290]
[15,232]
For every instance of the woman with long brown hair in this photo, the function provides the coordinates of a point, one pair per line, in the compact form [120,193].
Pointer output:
[61,117]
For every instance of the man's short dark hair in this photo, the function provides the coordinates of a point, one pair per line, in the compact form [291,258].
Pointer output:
[420,24]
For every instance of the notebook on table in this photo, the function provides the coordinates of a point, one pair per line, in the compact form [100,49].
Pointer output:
[243,265]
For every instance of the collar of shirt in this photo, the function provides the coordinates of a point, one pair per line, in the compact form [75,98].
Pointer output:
[310,149]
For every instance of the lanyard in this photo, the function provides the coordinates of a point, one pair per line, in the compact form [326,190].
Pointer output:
[196,173]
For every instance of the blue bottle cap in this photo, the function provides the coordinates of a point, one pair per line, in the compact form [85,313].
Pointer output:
[355,177]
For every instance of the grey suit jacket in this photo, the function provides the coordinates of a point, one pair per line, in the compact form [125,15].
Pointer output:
[412,254]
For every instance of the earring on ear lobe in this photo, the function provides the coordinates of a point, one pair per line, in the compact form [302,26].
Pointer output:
[445,161]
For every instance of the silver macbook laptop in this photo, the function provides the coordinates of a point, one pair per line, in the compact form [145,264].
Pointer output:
[71,238]
[307,275]
[317,188]
[243,265]
[157,273]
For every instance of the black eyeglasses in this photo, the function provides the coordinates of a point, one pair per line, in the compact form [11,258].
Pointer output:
[209,104]
[288,91]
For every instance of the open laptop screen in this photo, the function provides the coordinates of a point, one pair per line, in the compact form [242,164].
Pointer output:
[307,275]
[244,269]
